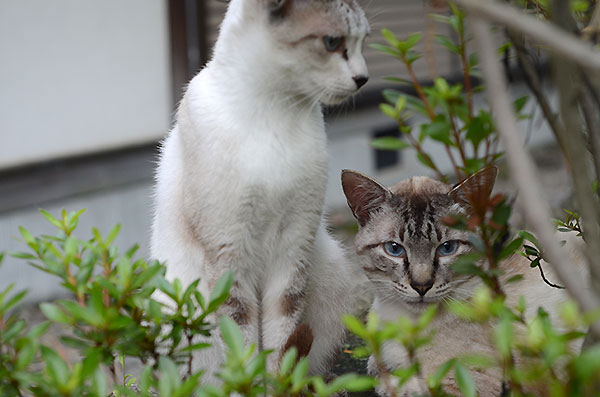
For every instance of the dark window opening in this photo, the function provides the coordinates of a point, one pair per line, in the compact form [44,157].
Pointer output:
[386,158]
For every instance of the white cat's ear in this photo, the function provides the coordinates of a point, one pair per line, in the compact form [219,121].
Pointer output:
[475,189]
[278,8]
[364,195]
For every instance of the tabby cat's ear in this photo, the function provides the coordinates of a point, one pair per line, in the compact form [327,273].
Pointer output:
[475,189]
[364,195]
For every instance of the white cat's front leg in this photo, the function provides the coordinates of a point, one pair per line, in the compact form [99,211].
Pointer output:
[283,302]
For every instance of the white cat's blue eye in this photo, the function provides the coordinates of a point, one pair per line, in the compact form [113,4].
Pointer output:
[332,43]
[448,248]
[393,249]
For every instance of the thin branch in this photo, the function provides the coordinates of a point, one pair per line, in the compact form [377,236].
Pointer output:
[418,88]
[569,83]
[591,113]
[522,169]
[532,80]
[593,29]
[539,266]
[557,41]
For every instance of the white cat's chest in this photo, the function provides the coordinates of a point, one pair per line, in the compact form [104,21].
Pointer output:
[280,155]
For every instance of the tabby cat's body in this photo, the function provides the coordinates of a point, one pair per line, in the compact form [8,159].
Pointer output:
[406,251]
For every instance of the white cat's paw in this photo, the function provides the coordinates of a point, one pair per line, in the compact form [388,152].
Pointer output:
[414,387]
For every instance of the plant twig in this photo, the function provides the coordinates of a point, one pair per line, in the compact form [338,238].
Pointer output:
[418,88]
[522,168]
[570,87]
[557,41]
[532,79]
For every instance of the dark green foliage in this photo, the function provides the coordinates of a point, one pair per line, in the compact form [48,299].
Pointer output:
[122,307]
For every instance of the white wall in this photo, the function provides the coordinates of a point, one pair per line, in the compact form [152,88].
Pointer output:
[79,76]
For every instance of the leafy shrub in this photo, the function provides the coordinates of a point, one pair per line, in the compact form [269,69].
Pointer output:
[113,315]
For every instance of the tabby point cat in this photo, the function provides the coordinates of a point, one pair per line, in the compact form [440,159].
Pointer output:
[406,252]
[242,175]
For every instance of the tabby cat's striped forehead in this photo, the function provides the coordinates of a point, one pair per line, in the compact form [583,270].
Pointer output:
[420,215]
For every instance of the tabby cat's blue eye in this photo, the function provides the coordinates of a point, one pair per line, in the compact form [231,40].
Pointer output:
[332,43]
[393,249]
[448,248]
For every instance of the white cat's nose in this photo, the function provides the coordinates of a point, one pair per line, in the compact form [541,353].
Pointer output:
[360,80]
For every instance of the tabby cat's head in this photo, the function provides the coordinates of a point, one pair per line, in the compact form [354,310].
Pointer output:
[308,47]
[405,247]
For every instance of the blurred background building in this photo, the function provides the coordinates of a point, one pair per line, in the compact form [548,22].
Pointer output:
[89,87]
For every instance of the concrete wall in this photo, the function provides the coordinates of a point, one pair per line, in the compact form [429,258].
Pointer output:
[78,76]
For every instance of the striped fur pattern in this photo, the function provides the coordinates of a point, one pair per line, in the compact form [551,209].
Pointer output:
[407,280]
[242,175]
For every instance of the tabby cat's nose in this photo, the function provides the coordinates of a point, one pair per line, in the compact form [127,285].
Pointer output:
[360,80]
[422,288]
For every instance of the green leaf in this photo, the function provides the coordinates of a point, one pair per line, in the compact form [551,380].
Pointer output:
[23,255]
[519,103]
[288,361]
[50,218]
[479,128]
[390,37]
[449,44]
[53,313]
[38,330]
[501,214]
[13,329]
[391,95]
[503,335]
[412,40]
[57,368]
[299,375]
[464,380]
[386,49]
[427,316]
[439,130]
[220,292]
[435,380]
[26,354]
[398,80]
[27,236]
[355,326]
[98,384]
[389,143]
[91,363]
[113,234]
[512,248]
[232,336]
[389,111]
[197,346]
[587,365]
[412,56]
[530,251]
[426,160]
[466,264]
[13,301]
[169,376]
[529,237]
[145,380]
[351,383]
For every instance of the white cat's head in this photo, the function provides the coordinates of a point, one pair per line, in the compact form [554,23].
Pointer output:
[311,48]
[405,246]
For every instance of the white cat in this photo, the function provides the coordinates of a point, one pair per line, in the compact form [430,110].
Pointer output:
[242,175]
